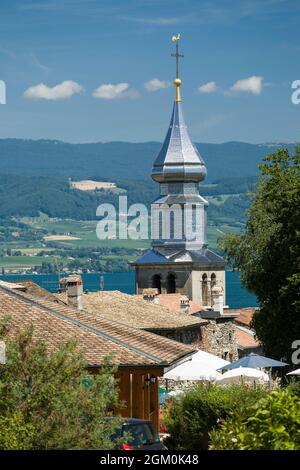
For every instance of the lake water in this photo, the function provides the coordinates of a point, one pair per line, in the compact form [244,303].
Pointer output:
[236,295]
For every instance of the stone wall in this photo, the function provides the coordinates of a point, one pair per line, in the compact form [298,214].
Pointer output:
[189,335]
[218,337]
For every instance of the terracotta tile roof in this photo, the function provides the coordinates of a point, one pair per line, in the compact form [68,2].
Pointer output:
[132,310]
[172,301]
[246,315]
[72,278]
[97,337]
[32,288]
[245,339]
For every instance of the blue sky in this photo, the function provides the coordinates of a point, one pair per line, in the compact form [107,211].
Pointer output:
[99,54]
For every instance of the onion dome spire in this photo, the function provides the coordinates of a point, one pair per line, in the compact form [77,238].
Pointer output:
[178,159]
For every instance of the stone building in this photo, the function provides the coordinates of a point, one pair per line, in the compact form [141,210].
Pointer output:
[179,260]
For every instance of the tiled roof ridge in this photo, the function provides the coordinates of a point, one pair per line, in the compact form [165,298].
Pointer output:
[89,328]
[192,321]
[246,329]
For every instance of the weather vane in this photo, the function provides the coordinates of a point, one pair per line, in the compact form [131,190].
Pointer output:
[177,81]
[177,55]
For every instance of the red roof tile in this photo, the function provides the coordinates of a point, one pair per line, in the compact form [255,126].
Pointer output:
[246,315]
[245,339]
[97,337]
[172,301]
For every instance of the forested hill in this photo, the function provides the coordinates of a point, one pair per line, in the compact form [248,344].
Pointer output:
[115,160]
[31,195]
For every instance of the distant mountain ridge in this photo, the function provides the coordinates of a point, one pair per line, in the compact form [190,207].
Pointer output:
[115,160]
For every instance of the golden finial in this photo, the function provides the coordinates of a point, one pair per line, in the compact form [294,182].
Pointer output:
[177,81]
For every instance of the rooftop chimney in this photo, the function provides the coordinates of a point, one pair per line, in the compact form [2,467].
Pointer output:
[218,299]
[74,291]
[184,304]
[151,295]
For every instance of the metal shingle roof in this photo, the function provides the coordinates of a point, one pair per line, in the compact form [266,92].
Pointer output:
[178,159]
[204,257]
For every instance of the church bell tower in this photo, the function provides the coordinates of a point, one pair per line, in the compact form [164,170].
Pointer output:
[179,260]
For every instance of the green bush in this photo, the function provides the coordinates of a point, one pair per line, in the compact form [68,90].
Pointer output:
[44,399]
[14,433]
[294,387]
[272,424]
[191,417]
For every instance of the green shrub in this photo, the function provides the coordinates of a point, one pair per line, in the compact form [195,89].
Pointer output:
[294,387]
[272,424]
[44,399]
[191,417]
[14,433]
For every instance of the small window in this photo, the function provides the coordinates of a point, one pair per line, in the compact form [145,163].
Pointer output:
[171,284]
[204,290]
[213,282]
[156,282]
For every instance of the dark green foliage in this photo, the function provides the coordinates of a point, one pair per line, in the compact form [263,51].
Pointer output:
[294,387]
[120,159]
[30,195]
[14,433]
[96,259]
[9,227]
[236,185]
[271,424]
[233,210]
[44,402]
[268,253]
[191,417]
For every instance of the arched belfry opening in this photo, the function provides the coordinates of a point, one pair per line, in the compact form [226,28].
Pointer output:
[156,282]
[171,283]
[213,282]
[204,289]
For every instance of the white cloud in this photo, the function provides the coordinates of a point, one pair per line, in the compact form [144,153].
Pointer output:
[61,91]
[109,91]
[209,87]
[252,85]
[156,84]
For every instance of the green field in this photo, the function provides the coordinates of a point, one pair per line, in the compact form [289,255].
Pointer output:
[220,199]
[22,261]
[31,240]
[86,231]
[214,233]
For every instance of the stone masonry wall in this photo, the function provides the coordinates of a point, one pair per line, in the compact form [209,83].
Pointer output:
[216,337]
[186,336]
[219,338]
